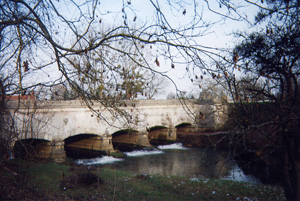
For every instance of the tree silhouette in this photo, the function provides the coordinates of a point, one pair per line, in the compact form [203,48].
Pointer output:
[270,62]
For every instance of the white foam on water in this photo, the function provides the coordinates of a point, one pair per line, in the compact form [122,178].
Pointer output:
[143,152]
[96,161]
[172,146]
[236,174]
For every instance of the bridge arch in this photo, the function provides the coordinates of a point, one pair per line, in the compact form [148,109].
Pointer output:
[87,145]
[184,127]
[161,135]
[27,147]
[39,148]
[128,139]
[184,124]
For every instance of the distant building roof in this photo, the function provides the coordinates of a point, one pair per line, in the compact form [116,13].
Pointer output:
[20,97]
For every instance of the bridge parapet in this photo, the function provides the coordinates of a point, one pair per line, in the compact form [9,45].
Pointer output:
[67,118]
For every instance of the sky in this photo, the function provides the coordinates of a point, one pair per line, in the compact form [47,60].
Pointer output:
[218,36]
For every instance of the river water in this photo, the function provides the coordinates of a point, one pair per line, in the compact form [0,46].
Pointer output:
[175,159]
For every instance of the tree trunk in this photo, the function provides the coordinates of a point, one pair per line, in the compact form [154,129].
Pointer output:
[292,170]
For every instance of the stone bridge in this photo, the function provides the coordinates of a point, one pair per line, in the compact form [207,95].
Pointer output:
[58,124]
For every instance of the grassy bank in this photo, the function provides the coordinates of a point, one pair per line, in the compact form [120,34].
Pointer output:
[47,180]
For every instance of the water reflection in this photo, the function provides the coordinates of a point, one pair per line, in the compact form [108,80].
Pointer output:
[191,162]
[176,160]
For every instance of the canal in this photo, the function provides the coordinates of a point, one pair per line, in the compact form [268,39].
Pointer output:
[175,159]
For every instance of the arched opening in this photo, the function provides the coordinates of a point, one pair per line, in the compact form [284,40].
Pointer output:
[185,124]
[126,140]
[161,135]
[30,148]
[84,145]
[184,128]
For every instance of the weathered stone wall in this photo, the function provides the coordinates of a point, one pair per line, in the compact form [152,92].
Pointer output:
[58,120]
[55,121]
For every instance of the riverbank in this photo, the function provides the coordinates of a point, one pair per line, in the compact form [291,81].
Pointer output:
[23,180]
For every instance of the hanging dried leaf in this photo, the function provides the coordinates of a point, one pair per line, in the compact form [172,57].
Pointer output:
[235,56]
[201,77]
[25,64]
[172,65]
[134,19]
[213,75]
[100,21]
[225,74]
[156,62]
[129,2]
[196,76]
[184,12]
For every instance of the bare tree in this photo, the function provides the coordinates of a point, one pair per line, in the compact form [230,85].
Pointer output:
[37,38]
[211,91]
[267,130]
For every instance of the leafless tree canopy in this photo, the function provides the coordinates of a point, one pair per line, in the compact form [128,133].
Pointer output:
[87,45]
[101,52]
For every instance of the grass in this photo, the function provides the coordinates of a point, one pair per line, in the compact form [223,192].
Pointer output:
[48,180]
